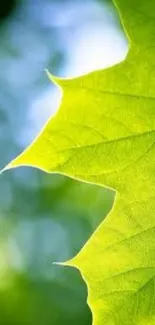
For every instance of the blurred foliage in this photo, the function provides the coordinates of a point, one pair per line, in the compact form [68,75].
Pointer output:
[46,224]
[43,218]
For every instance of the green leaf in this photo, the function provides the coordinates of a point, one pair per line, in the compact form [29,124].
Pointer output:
[104,133]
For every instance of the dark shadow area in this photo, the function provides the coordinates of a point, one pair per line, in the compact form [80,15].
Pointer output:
[6,9]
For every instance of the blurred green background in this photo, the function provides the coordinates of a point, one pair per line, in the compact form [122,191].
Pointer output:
[46,218]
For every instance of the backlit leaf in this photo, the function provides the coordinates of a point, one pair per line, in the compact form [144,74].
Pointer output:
[104,133]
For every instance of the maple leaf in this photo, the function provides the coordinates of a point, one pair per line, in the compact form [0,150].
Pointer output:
[104,133]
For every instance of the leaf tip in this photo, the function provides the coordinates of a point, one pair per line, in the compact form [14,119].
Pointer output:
[7,167]
[70,262]
[16,162]
[53,78]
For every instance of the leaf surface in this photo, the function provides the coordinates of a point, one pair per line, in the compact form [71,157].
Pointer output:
[104,133]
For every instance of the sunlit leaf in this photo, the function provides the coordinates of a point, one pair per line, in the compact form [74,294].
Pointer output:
[104,133]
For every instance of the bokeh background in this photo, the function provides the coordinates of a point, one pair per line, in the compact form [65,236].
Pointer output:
[46,218]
